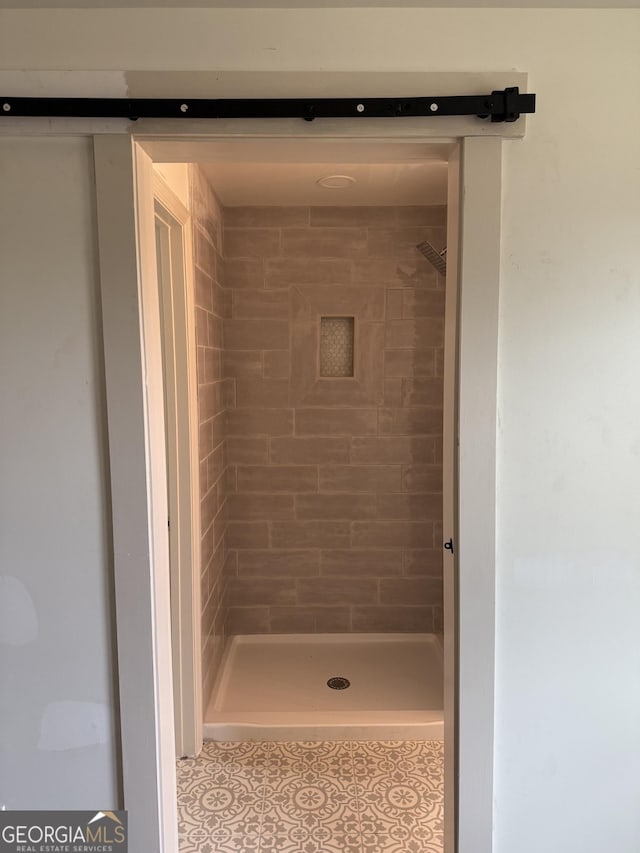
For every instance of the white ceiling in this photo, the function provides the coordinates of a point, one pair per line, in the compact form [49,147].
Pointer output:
[296,183]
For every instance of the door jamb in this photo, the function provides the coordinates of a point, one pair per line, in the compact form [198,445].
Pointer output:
[139,492]
[177,296]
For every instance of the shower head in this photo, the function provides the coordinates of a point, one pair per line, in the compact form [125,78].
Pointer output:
[436,259]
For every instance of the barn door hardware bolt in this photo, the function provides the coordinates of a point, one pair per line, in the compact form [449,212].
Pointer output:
[505,105]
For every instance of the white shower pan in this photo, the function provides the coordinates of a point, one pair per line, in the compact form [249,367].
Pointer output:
[274,687]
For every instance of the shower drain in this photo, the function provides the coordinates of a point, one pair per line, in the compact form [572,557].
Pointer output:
[338,683]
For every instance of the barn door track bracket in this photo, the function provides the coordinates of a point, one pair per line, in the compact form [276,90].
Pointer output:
[502,105]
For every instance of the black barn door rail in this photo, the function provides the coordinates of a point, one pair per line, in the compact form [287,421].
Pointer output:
[505,105]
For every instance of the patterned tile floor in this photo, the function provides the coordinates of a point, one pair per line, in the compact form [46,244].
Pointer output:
[348,797]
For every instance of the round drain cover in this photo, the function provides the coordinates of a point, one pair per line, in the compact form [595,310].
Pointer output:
[338,683]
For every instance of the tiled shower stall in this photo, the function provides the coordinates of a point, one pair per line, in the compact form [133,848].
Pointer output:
[321,495]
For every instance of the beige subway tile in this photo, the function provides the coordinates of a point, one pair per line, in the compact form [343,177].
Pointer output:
[268,393]
[423,303]
[244,363]
[438,620]
[372,563]
[366,304]
[410,271]
[230,567]
[423,391]
[422,478]
[336,421]
[278,564]
[309,450]
[204,252]
[262,304]
[257,421]
[401,241]
[389,450]
[284,272]
[421,420]
[203,290]
[394,304]
[212,364]
[423,561]
[345,217]
[392,619]
[218,428]
[310,534]
[340,506]
[200,351]
[206,545]
[247,620]
[309,619]
[221,305]
[409,362]
[434,215]
[243,272]
[391,534]
[360,478]
[205,439]
[255,591]
[410,506]
[256,334]
[251,242]
[206,401]
[331,590]
[227,303]
[247,451]
[202,327]
[416,590]
[278,478]
[392,391]
[230,479]
[414,334]
[215,465]
[247,534]
[203,481]
[324,242]
[214,331]
[269,216]
[439,361]
[277,364]
[242,507]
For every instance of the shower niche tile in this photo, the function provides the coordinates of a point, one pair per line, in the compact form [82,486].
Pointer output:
[336,346]
[337,343]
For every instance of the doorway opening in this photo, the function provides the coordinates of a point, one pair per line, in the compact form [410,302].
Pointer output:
[322,489]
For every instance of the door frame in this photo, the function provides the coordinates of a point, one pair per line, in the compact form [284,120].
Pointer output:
[181,410]
[137,454]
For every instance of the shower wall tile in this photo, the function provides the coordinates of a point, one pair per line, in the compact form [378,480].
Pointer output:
[287,272]
[400,618]
[262,304]
[310,534]
[256,334]
[338,590]
[215,395]
[336,421]
[369,563]
[266,217]
[278,564]
[243,272]
[345,217]
[303,451]
[360,478]
[331,491]
[251,242]
[278,478]
[337,506]
[277,364]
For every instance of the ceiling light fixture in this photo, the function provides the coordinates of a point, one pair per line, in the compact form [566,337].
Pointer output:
[336,182]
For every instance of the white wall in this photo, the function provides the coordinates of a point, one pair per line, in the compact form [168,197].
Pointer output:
[57,726]
[567,760]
